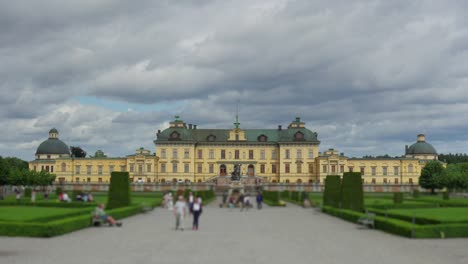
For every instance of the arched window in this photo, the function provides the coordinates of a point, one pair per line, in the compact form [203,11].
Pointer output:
[211,138]
[299,136]
[299,181]
[64,167]
[262,138]
[174,135]
[410,168]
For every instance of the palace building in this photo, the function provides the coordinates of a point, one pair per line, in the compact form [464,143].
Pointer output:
[185,153]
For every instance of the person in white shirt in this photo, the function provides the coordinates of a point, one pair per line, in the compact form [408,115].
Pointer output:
[170,202]
[246,202]
[66,198]
[180,209]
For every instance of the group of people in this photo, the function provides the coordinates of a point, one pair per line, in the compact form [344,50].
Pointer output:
[84,197]
[243,201]
[194,206]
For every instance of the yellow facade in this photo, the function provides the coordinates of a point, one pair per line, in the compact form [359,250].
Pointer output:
[142,167]
[187,154]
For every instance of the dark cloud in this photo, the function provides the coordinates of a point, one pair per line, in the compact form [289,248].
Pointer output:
[366,75]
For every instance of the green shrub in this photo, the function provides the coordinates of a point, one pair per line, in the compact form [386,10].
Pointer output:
[352,196]
[27,192]
[186,193]
[398,198]
[58,190]
[270,196]
[332,193]
[119,190]
[446,195]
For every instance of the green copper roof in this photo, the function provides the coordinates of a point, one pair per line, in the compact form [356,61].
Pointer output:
[421,147]
[185,135]
[53,146]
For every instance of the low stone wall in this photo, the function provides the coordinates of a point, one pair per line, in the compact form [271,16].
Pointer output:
[225,185]
[136,187]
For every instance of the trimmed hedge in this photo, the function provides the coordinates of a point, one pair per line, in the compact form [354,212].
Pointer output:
[207,196]
[62,226]
[446,195]
[404,228]
[352,195]
[296,197]
[49,204]
[119,190]
[271,198]
[332,193]
[398,198]
[418,220]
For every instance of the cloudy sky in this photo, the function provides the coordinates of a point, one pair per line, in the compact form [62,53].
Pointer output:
[368,76]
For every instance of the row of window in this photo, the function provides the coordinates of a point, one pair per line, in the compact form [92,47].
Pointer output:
[373,172]
[385,170]
[373,181]
[222,168]
[140,168]
[211,154]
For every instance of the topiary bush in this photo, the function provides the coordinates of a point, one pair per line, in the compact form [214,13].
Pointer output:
[332,193]
[27,192]
[398,198]
[352,196]
[446,195]
[119,190]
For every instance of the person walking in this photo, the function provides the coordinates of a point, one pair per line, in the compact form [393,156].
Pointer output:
[246,202]
[225,195]
[180,209]
[259,200]
[190,200]
[170,202]
[196,212]
[240,201]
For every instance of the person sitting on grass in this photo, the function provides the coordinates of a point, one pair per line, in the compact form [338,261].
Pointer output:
[104,217]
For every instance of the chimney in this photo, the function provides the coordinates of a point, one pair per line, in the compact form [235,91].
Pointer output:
[189,126]
[194,126]
[279,127]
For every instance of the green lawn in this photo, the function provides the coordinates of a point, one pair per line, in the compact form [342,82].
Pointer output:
[444,214]
[30,213]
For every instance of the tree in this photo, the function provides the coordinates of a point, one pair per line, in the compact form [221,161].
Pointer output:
[432,176]
[457,176]
[77,152]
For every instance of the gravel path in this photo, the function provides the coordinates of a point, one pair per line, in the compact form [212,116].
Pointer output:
[272,235]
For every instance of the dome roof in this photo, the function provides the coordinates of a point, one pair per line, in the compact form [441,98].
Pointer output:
[421,147]
[53,145]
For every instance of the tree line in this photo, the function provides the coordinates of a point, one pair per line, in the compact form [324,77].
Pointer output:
[435,176]
[14,171]
[453,158]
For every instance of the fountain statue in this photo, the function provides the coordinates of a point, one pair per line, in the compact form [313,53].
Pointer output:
[236,174]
